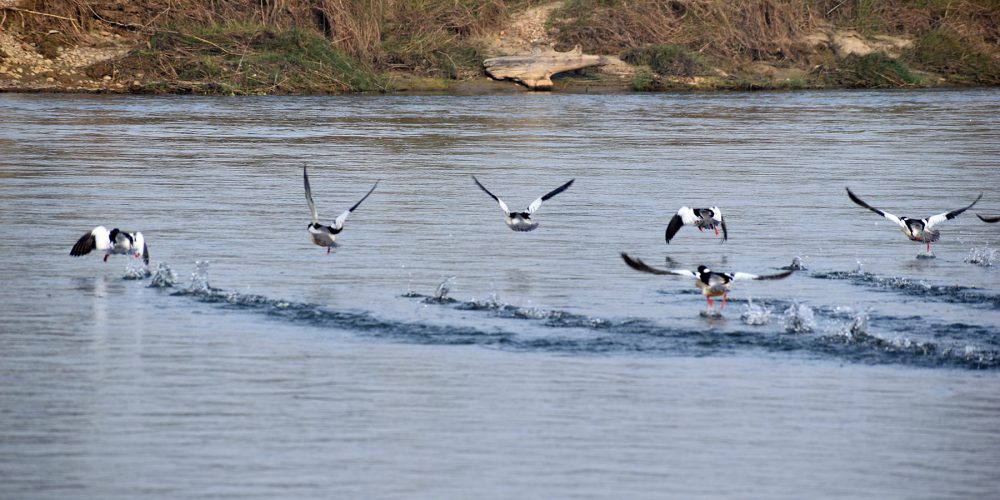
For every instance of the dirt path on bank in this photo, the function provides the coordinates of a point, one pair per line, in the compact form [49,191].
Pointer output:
[33,66]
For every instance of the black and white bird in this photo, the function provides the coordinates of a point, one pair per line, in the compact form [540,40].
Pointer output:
[702,218]
[113,242]
[521,221]
[325,236]
[990,220]
[711,283]
[919,230]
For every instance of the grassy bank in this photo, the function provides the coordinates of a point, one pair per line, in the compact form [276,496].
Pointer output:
[322,46]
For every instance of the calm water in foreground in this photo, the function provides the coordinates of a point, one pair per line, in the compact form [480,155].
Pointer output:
[437,354]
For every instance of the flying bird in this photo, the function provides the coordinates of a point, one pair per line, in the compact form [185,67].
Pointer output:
[711,283]
[702,218]
[325,236]
[919,230]
[521,221]
[114,242]
[991,220]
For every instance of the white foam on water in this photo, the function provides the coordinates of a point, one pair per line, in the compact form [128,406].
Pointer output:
[984,256]
[199,277]
[442,290]
[136,269]
[799,318]
[164,277]
[755,314]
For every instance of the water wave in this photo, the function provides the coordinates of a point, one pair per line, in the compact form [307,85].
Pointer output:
[316,315]
[945,293]
[840,332]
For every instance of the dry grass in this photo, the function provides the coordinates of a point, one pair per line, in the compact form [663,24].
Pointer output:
[376,32]
[758,29]
[960,38]
[222,38]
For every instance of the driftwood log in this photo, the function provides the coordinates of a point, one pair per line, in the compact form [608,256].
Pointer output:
[535,71]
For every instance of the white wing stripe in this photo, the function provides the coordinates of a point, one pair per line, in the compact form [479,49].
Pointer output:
[503,206]
[339,222]
[687,216]
[535,205]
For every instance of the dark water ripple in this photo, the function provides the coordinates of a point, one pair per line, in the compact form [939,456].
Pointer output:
[319,316]
[599,336]
[954,294]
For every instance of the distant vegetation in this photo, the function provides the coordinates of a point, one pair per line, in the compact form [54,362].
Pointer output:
[294,46]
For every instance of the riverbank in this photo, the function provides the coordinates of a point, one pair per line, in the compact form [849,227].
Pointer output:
[298,47]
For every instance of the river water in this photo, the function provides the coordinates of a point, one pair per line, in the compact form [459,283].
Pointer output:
[437,354]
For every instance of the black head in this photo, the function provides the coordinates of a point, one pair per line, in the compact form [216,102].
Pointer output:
[114,234]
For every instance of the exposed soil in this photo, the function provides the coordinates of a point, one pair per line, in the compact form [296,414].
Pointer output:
[87,60]
[52,64]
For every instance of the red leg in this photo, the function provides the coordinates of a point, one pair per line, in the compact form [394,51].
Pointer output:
[723,301]
[928,247]
[716,231]
[711,304]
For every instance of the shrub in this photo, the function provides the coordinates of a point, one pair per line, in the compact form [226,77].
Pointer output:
[942,50]
[668,60]
[875,70]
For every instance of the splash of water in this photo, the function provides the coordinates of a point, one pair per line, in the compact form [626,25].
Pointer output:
[796,265]
[199,277]
[136,270]
[859,324]
[441,293]
[491,303]
[754,314]
[164,277]
[798,318]
[984,256]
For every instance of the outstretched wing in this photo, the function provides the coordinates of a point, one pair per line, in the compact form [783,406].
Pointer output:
[84,245]
[639,265]
[535,205]
[145,254]
[991,220]
[339,223]
[503,206]
[683,216]
[309,196]
[939,218]
[887,215]
[725,233]
[748,276]
[98,238]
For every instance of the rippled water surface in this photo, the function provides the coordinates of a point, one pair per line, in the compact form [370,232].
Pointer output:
[437,354]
